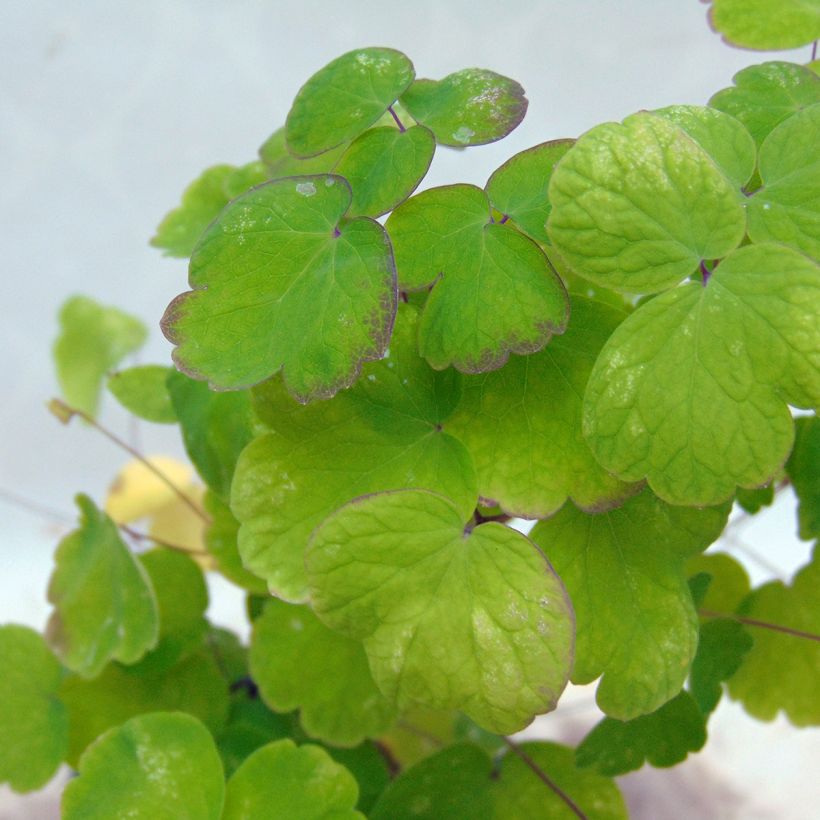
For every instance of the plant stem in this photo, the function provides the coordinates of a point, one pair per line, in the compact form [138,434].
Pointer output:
[542,775]
[65,412]
[34,507]
[396,118]
[144,536]
[796,633]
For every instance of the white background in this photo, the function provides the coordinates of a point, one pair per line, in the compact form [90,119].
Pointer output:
[107,111]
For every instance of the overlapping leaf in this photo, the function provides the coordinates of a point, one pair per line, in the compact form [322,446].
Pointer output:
[221,541]
[663,738]
[157,765]
[142,391]
[625,574]
[768,25]
[803,468]
[382,434]
[281,163]
[729,582]
[93,339]
[765,95]
[522,423]
[182,599]
[722,645]
[33,719]
[202,201]
[470,107]
[105,608]
[384,166]
[215,428]
[344,98]
[473,621]
[691,390]
[454,783]
[518,188]
[637,206]
[720,135]
[519,792]
[302,782]
[787,208]
[780,672]
[280,283]
[194,685]
[298,663]
[494,292]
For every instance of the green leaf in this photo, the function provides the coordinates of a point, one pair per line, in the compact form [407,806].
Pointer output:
[33,719]
[281,163]
[344,98]
[221,539]
[418,733]
[494,291]
[752,501]
[637,206]
[780,672]
[384,433]
[250,726]
[721,647]
[454,783]
[720,135]
[298,663]
[93,339]
[142,391]
[280,283]
[768,25]
[522,423]
[384,166]
[690,391]
[475,621]
[518,188]
[202,200]
[519,792]
[158,765]
[105,608]
[729,581]
[802,468]
[302,782]
[663,738]
[469,107]
[195,685]
[368,765]
[625,573]
[215,428]
[787,208]
[182,599]
[765,95]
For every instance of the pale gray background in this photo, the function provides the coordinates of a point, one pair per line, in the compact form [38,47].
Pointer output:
[107,111]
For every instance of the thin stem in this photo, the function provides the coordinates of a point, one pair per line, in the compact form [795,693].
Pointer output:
[396,118]
[542,776]
[504,218]
[814,51]
[796,633]
[66,412]
[422,733]
[34,507]
[144,536]
[705,272]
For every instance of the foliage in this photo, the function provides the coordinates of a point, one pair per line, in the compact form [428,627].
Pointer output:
[608,337]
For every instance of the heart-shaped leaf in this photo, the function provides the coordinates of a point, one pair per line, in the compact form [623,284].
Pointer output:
[494,291]
[637,206]
[344,98]
[472,621]
[691,390]
[280,282]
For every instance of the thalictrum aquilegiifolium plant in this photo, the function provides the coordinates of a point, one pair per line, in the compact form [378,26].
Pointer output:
[371,383]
